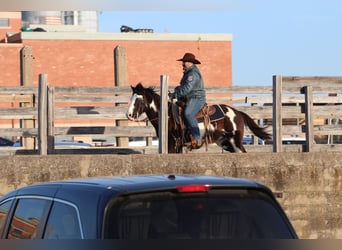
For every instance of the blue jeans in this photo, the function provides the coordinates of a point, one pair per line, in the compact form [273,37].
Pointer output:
[191,109]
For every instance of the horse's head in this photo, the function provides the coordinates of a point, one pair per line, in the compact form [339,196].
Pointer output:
[142,100]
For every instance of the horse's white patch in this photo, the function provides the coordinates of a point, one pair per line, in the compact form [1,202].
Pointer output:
[231,115]
[202,129]
[153,106]
[129,113]
[132,102]
[212,128]
[236,149]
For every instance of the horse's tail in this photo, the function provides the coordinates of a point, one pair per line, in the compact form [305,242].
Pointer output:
[255,128]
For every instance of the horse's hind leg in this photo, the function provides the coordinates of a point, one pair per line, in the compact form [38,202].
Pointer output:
[228,145]
[221,139]
[232,142]
[226,141]
[238,136]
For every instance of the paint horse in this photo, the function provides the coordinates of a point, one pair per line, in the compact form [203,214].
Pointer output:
[219,123]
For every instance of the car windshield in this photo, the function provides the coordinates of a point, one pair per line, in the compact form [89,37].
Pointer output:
[217,214]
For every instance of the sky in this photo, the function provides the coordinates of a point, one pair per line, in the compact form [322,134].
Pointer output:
[297,38]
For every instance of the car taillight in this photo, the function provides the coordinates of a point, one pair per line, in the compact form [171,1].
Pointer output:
[193,188]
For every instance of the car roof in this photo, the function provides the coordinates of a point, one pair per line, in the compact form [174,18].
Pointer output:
[132,184]
[126,183]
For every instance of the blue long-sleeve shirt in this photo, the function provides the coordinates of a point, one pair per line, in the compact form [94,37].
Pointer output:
[191,85]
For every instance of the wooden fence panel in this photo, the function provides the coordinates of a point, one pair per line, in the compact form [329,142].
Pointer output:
[93,111]
[315,88]
[18,113]
[17,104]
[129,131]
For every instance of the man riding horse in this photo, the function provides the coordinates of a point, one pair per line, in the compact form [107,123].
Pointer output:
[223,124]
[191,92]
[220,123]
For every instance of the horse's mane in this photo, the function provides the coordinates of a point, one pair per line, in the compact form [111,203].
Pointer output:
[151,90]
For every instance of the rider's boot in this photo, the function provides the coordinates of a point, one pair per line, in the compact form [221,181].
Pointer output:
[195,144]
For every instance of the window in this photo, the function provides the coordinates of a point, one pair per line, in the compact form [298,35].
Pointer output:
[218,214]
[26,219]
[4,208]
[4,22]
[63,223]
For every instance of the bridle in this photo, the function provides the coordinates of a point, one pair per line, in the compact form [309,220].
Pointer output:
[176,134]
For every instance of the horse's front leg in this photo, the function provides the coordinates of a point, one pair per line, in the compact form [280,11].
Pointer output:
[175,145]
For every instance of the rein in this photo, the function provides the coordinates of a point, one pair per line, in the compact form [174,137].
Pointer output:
[151,120]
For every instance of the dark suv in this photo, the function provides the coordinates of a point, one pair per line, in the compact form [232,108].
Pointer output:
[144,207]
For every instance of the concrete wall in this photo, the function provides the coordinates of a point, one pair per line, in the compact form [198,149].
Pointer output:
[310,183]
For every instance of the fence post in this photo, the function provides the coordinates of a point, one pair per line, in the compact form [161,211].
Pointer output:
[163,115]
[42,114]
[120,69]
[307,90]
[277,116]
[26,79]
[50,119]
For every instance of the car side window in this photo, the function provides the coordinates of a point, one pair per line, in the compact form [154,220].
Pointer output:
[4,208]
[62,223]
[27,216]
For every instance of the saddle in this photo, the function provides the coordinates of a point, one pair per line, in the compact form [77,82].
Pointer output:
[214,112]
[208,114]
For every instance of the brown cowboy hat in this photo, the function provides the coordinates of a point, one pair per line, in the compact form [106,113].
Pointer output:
[189,57]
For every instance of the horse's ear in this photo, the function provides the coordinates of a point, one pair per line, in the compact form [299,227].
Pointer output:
[139,86]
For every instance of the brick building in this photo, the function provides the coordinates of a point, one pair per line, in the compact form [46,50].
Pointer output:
[72,57]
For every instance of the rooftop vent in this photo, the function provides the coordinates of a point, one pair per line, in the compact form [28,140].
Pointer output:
[127,29]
